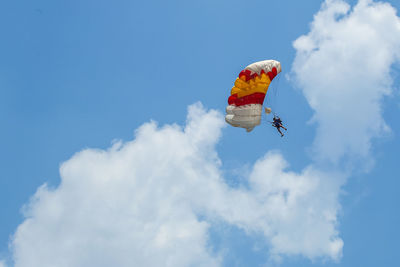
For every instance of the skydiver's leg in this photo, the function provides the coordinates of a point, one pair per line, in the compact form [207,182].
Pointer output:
[280,125]
[279,130]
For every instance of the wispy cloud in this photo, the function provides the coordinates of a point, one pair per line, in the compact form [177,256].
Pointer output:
[343,68]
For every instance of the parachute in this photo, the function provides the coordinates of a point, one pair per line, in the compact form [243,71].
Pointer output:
[248,93]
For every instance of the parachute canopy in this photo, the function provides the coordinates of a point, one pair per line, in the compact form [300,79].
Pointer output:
[248,93]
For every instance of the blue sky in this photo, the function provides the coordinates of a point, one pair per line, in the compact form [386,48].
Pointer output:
[81,74]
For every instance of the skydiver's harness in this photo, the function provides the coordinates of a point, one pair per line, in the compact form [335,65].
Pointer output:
[277,123]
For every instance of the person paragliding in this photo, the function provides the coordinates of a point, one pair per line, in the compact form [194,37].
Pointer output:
[277,123]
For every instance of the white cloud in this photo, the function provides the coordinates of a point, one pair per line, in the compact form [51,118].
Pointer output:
[297,212]
[151,201]
[343,68]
